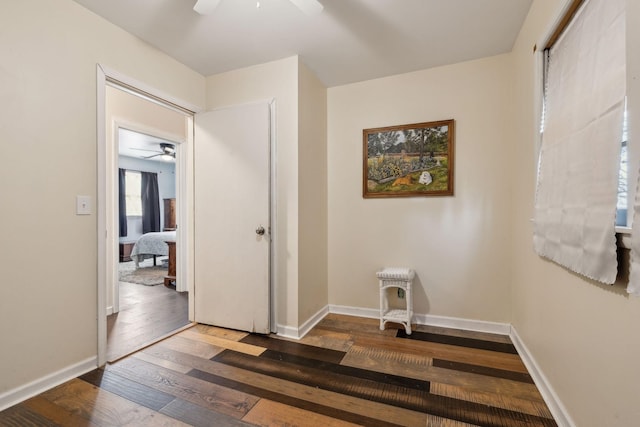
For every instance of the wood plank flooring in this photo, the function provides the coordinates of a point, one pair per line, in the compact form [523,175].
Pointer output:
[147,313]
[345,372]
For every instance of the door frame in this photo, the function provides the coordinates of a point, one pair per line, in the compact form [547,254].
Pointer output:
[107,250]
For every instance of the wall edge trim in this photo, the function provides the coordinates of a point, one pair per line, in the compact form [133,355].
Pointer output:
[40,385]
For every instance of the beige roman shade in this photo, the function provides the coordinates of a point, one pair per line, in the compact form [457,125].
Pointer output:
[575,207]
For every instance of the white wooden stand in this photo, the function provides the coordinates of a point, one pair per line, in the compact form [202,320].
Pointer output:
[396,278]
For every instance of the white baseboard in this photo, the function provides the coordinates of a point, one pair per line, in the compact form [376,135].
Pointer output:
[466,324]
[288,332]
[109,310]
[550,397]
[24,392]
[313,321]
[373,313]
[431,320]
[297,333]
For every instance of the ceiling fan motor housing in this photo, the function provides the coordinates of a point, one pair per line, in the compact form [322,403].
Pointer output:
[167,148]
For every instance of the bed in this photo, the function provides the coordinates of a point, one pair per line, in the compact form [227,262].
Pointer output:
[152,244]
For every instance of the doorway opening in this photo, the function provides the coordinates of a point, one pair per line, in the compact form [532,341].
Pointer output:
[236,145]
[145,292]
[146,304]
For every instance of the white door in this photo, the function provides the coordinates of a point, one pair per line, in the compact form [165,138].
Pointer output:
[232,224]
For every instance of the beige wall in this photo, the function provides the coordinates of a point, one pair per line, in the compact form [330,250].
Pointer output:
[458,246]
[276,80]
[133,112]
[581,334]
[312,194]
[48,55]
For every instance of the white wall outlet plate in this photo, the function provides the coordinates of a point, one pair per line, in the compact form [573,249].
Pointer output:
[83,205]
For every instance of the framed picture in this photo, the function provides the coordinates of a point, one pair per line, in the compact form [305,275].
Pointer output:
[408,160]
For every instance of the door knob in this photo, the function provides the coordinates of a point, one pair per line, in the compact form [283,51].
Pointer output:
[260,231]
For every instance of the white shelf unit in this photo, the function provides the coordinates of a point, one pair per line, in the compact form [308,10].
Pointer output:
[399,278]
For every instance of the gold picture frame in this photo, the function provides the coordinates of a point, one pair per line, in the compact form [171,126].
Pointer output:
[408,160]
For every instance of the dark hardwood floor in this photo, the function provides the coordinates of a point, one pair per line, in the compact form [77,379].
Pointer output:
[345,372]
[147,313]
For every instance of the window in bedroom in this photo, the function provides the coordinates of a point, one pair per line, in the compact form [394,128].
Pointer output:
[133,193]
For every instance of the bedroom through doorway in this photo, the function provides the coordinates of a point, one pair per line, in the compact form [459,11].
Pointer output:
[147,305]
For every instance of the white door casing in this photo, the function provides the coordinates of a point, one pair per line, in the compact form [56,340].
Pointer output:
[231,206]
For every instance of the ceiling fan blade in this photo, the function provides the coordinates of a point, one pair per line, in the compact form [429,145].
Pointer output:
[144,149]
[206,7]
[163,155]
[309,7]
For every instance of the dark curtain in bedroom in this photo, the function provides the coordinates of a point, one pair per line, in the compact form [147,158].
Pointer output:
[122,201]
[150,202]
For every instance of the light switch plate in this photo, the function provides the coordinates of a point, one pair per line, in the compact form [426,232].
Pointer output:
[83,205]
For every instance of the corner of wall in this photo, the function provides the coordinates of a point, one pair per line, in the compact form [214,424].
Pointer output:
[312,193]
[40,385]
[559,412]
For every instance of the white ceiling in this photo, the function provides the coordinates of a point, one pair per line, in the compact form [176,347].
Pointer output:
[350,41]
[140,145]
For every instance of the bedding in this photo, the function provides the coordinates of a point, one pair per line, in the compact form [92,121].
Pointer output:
[152,244]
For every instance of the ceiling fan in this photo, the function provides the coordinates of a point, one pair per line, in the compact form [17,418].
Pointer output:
[168,152]
[309,7]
